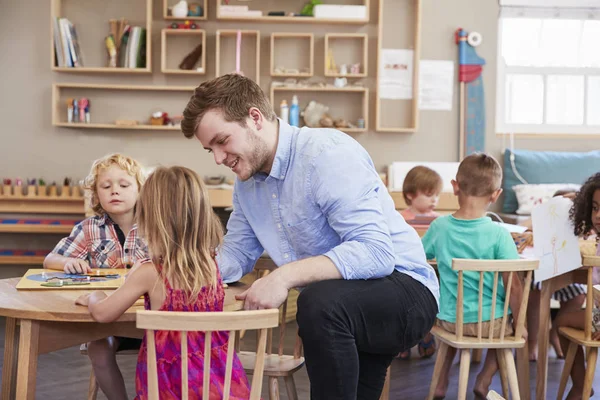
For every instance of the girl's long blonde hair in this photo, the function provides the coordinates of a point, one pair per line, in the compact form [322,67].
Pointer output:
[175,217]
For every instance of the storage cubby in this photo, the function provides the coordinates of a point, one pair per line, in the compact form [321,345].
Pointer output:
[168,4]
[228,10]
[346,55]
[249,52]
[348,103]
[176,45]
[292,54]
[91,22]
[109,103]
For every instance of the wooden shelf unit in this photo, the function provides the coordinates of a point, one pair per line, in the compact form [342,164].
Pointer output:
[329,89]
[22,260]
[225,34]
[165,33]
[292,19]
[349,60]
[56,11]
[204,4]
[59,108]
[290,36]
[35,228]
[392,12]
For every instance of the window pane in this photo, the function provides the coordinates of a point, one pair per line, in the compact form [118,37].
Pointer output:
[589,49]
[593,100]
[559,43]
[564,100]
[524,99]
[520,41]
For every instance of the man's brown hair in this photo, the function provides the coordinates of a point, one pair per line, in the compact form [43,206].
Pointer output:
[233,94]
[421,179]
[479,175]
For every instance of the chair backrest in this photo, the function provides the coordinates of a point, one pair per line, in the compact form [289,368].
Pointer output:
[206,322]
[496,267]
[592,293]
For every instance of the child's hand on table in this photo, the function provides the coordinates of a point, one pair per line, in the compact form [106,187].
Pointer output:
[83,300]
[77,266]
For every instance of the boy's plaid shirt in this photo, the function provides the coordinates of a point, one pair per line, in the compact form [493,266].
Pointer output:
[95,240]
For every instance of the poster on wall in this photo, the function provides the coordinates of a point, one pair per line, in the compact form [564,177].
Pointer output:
[396,74]
[436,84]
[554,242]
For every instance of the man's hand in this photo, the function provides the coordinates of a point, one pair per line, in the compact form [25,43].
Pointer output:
[265,293]
[77,266]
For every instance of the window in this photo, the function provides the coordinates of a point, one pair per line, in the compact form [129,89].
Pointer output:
[548,68]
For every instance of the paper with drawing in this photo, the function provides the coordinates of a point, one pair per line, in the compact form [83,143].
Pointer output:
[554,242]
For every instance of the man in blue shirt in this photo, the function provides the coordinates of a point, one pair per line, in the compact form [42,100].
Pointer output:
[313,200]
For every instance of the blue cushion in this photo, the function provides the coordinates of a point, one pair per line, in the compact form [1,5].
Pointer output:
[546,167]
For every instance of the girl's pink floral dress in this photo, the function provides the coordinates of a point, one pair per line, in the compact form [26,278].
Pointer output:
[168,352]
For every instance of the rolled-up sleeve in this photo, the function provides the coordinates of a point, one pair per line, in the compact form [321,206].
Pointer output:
[75,245]
[347,189]
[240,249]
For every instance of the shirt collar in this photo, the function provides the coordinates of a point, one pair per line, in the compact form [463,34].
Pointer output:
[283,152]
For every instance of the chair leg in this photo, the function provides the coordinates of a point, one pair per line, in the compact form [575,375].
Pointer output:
[290,387]
[590,369]
[503,372]
[93,388]
[476,356]
[439,362]
[566,372]
[511,369]
[385,392]
[463,376]
[273,388]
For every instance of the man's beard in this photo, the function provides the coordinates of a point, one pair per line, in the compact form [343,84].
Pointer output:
[259,156]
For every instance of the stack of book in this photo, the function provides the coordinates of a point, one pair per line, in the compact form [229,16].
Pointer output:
[126,45]
[66,46]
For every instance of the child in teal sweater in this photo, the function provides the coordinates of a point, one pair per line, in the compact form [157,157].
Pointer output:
[468,233]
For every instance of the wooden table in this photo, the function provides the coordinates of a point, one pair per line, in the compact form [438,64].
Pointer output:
[50,321]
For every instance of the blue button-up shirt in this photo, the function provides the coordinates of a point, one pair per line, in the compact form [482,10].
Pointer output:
[322,197]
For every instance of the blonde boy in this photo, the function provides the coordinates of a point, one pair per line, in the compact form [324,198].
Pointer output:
[421,191]
[469,233]
[109,239]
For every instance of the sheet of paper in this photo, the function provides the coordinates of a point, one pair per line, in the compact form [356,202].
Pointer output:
[436,84]
[554,242]
[396,74]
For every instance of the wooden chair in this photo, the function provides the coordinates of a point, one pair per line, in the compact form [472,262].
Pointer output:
[504,344]
[207,322]
[93,385]
[279,364]
[578,337]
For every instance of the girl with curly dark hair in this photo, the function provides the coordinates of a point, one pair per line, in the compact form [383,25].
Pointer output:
[585,215]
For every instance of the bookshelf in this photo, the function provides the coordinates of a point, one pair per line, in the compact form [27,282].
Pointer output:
[226,52]
[170,3]
[347,49]
[288,7]
[390,114]
[301,61]
[169,60]
[128,105]
[91,34]
[351,106]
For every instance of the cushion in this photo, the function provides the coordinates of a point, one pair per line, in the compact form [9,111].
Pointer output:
[529,196]
[545,167]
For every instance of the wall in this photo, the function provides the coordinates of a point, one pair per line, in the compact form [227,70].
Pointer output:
[31,147]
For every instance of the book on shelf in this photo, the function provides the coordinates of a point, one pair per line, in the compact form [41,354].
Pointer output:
[66,44]
[132,50]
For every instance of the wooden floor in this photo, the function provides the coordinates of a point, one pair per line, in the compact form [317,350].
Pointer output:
[64,375]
